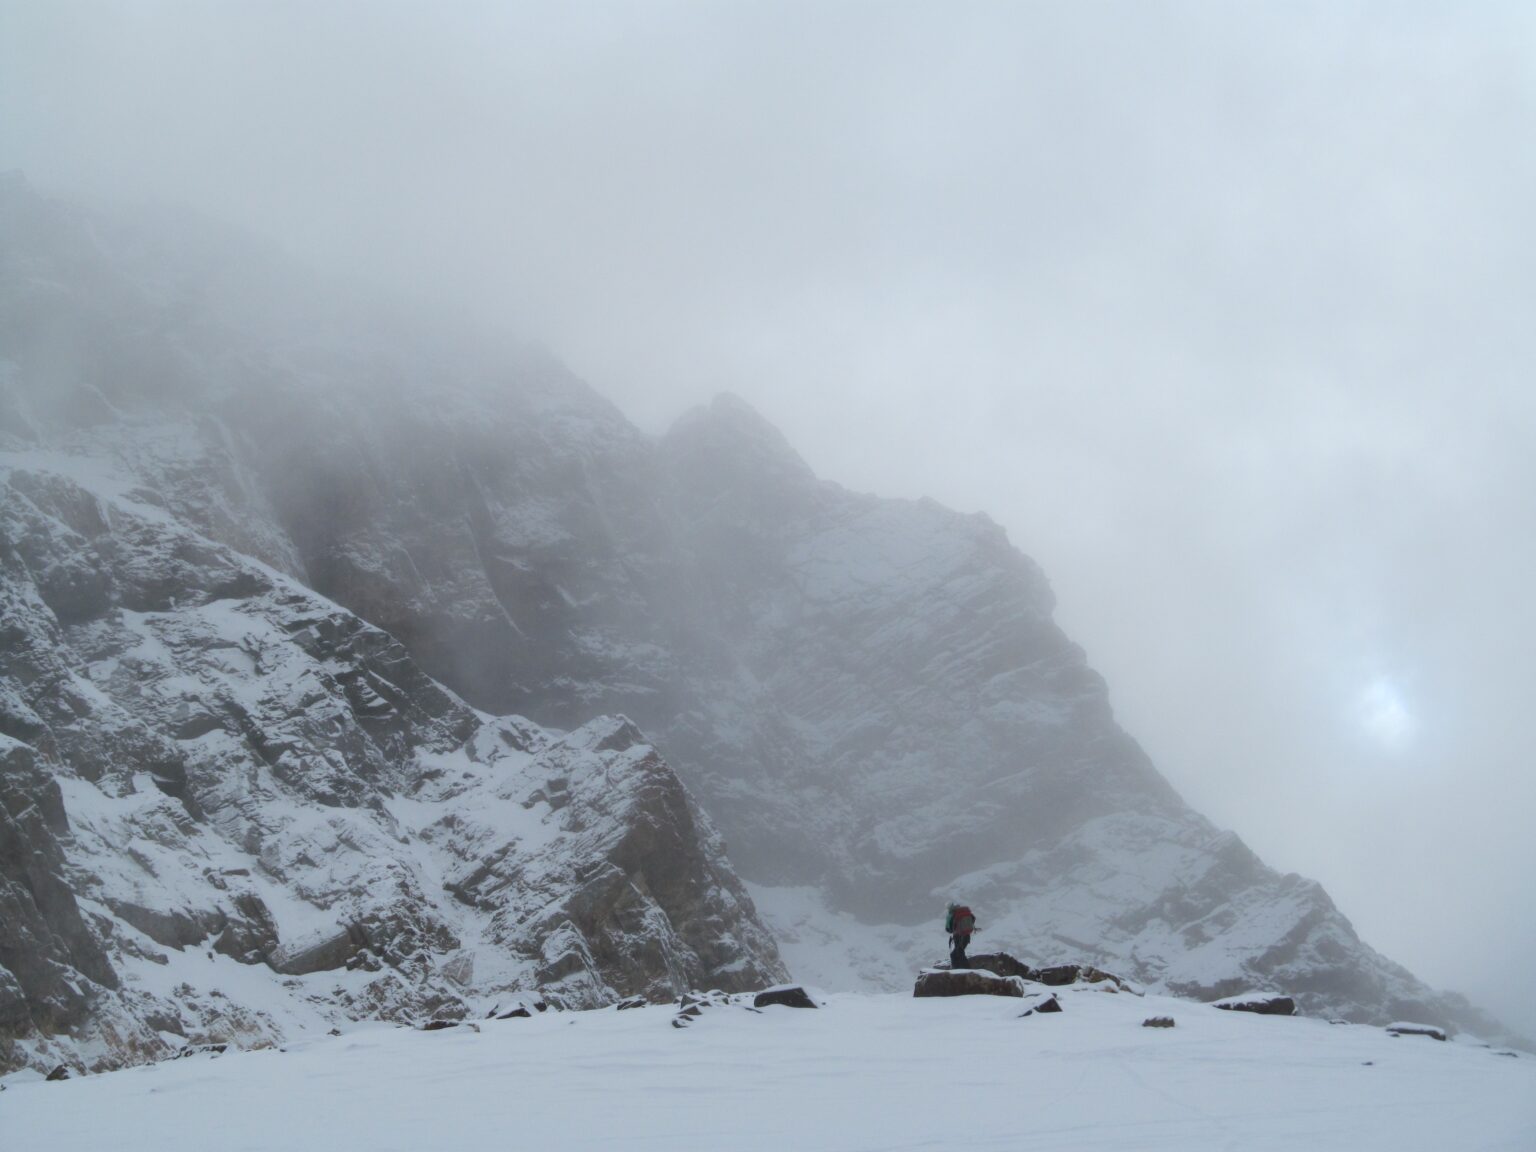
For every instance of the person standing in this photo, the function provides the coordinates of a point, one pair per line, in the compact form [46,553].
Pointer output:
[960,923]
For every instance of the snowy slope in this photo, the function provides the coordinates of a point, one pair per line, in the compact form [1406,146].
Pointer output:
[862,1072]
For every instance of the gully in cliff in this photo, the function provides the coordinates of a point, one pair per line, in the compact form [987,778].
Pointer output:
[959,923]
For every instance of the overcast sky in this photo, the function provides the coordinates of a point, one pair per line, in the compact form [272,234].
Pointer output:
[1229,316]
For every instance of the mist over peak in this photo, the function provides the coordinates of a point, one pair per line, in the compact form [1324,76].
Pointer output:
[729,436]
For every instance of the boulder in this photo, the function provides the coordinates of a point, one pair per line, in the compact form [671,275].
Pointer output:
[966,982]
[789,995]
[1262,1003]
[1059,975]
[1157,1022]
[323,955]
[1110,982]
[1042,1003]
[1002,964]
[1405,1028]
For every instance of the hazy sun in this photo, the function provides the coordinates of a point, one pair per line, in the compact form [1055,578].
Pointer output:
[1385,715]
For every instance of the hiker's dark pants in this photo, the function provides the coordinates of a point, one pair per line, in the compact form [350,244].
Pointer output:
[957,946]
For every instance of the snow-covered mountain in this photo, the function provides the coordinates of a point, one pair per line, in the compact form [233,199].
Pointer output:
[309,610]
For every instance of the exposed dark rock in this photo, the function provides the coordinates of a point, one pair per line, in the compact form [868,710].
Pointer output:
[966,982]
[248,933]
[1408,1029]
[631,1002]
[59,1073]
[1260,1003]
[439,1025]
[1059,975]
[646,909]
[518,1013]
[1158,1022]
[1002,964]
[179,928]
[789,995]
[202,1050]
[1046,1003]
[322,956]
[49,959]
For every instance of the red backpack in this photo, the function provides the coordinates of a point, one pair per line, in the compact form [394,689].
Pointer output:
[961,922]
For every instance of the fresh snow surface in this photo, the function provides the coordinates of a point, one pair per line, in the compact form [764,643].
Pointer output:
[864,1072]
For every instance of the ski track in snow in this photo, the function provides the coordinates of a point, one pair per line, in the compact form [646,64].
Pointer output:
[863,1074]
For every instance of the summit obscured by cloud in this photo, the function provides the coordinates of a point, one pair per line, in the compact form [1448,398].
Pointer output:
[1223,314]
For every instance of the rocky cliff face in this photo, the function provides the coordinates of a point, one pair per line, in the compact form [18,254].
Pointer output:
[230,808]
[869,697]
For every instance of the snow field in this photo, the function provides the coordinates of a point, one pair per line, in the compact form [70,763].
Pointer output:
[865,1073]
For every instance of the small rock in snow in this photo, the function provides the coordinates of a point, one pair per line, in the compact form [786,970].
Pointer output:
[1264,1004]
[789,995]
[1408,1029]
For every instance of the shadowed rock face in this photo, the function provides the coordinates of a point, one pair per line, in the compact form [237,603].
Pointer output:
[868,696]
[44,943]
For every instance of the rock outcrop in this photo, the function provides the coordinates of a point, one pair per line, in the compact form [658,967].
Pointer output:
[1002,964]
[45,946]
[1259,1004]
[1403,1028]
[205,766]
[966,982]
[787,995]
